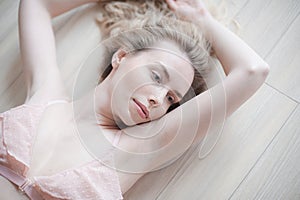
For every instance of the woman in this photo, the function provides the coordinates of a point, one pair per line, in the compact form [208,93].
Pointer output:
[152,70]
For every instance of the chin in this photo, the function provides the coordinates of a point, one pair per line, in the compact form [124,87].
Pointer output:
[121,125]
[125,122]
[132,122]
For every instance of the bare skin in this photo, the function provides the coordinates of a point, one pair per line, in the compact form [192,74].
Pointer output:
[245,71]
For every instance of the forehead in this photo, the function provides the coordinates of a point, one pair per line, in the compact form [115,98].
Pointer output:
[170,54]
[175,62]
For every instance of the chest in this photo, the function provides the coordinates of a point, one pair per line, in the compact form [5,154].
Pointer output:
[56,145]
[61,143]
[54,148]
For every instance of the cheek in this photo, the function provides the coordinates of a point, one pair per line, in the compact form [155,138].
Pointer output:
[124,86]
[128,80]
[158,113]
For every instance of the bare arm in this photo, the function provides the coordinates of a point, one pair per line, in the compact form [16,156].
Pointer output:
[245,70]
[37,46]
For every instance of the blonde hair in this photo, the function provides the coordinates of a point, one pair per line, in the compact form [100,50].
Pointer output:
[135,26]
[116,13]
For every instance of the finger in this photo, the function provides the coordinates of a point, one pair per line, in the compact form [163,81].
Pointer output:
[172,4]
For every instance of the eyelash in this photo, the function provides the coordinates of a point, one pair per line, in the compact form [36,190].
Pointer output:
[156,77]
[172,98]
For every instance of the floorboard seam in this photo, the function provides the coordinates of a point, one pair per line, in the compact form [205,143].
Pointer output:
[281,37]
[258,159]
[289,97]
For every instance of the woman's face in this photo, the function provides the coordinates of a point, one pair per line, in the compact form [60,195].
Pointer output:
[146,83]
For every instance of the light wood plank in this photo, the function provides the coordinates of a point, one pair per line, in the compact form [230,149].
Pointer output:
[284,62]
[76,34]
[245,137]
[253,16]
[239,148]
[225,8]
[149,186]
[75,41]
[152,184]
[9,51]
[8,16]
[264,22]
[277,173]
[234,6]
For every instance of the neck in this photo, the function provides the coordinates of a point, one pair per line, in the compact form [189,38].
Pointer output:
[95,107]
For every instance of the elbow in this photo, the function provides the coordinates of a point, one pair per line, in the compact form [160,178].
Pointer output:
[262,71]
[256,75]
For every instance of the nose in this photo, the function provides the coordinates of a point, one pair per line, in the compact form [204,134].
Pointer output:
[157,97]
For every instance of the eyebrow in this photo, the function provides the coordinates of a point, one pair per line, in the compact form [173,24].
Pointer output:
[164,68]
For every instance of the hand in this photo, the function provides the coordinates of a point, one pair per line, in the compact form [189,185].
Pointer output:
[189,10]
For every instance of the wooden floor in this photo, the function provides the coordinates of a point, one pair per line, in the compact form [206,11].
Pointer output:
[258,153]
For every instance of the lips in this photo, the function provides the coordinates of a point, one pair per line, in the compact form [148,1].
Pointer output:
[142,110]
